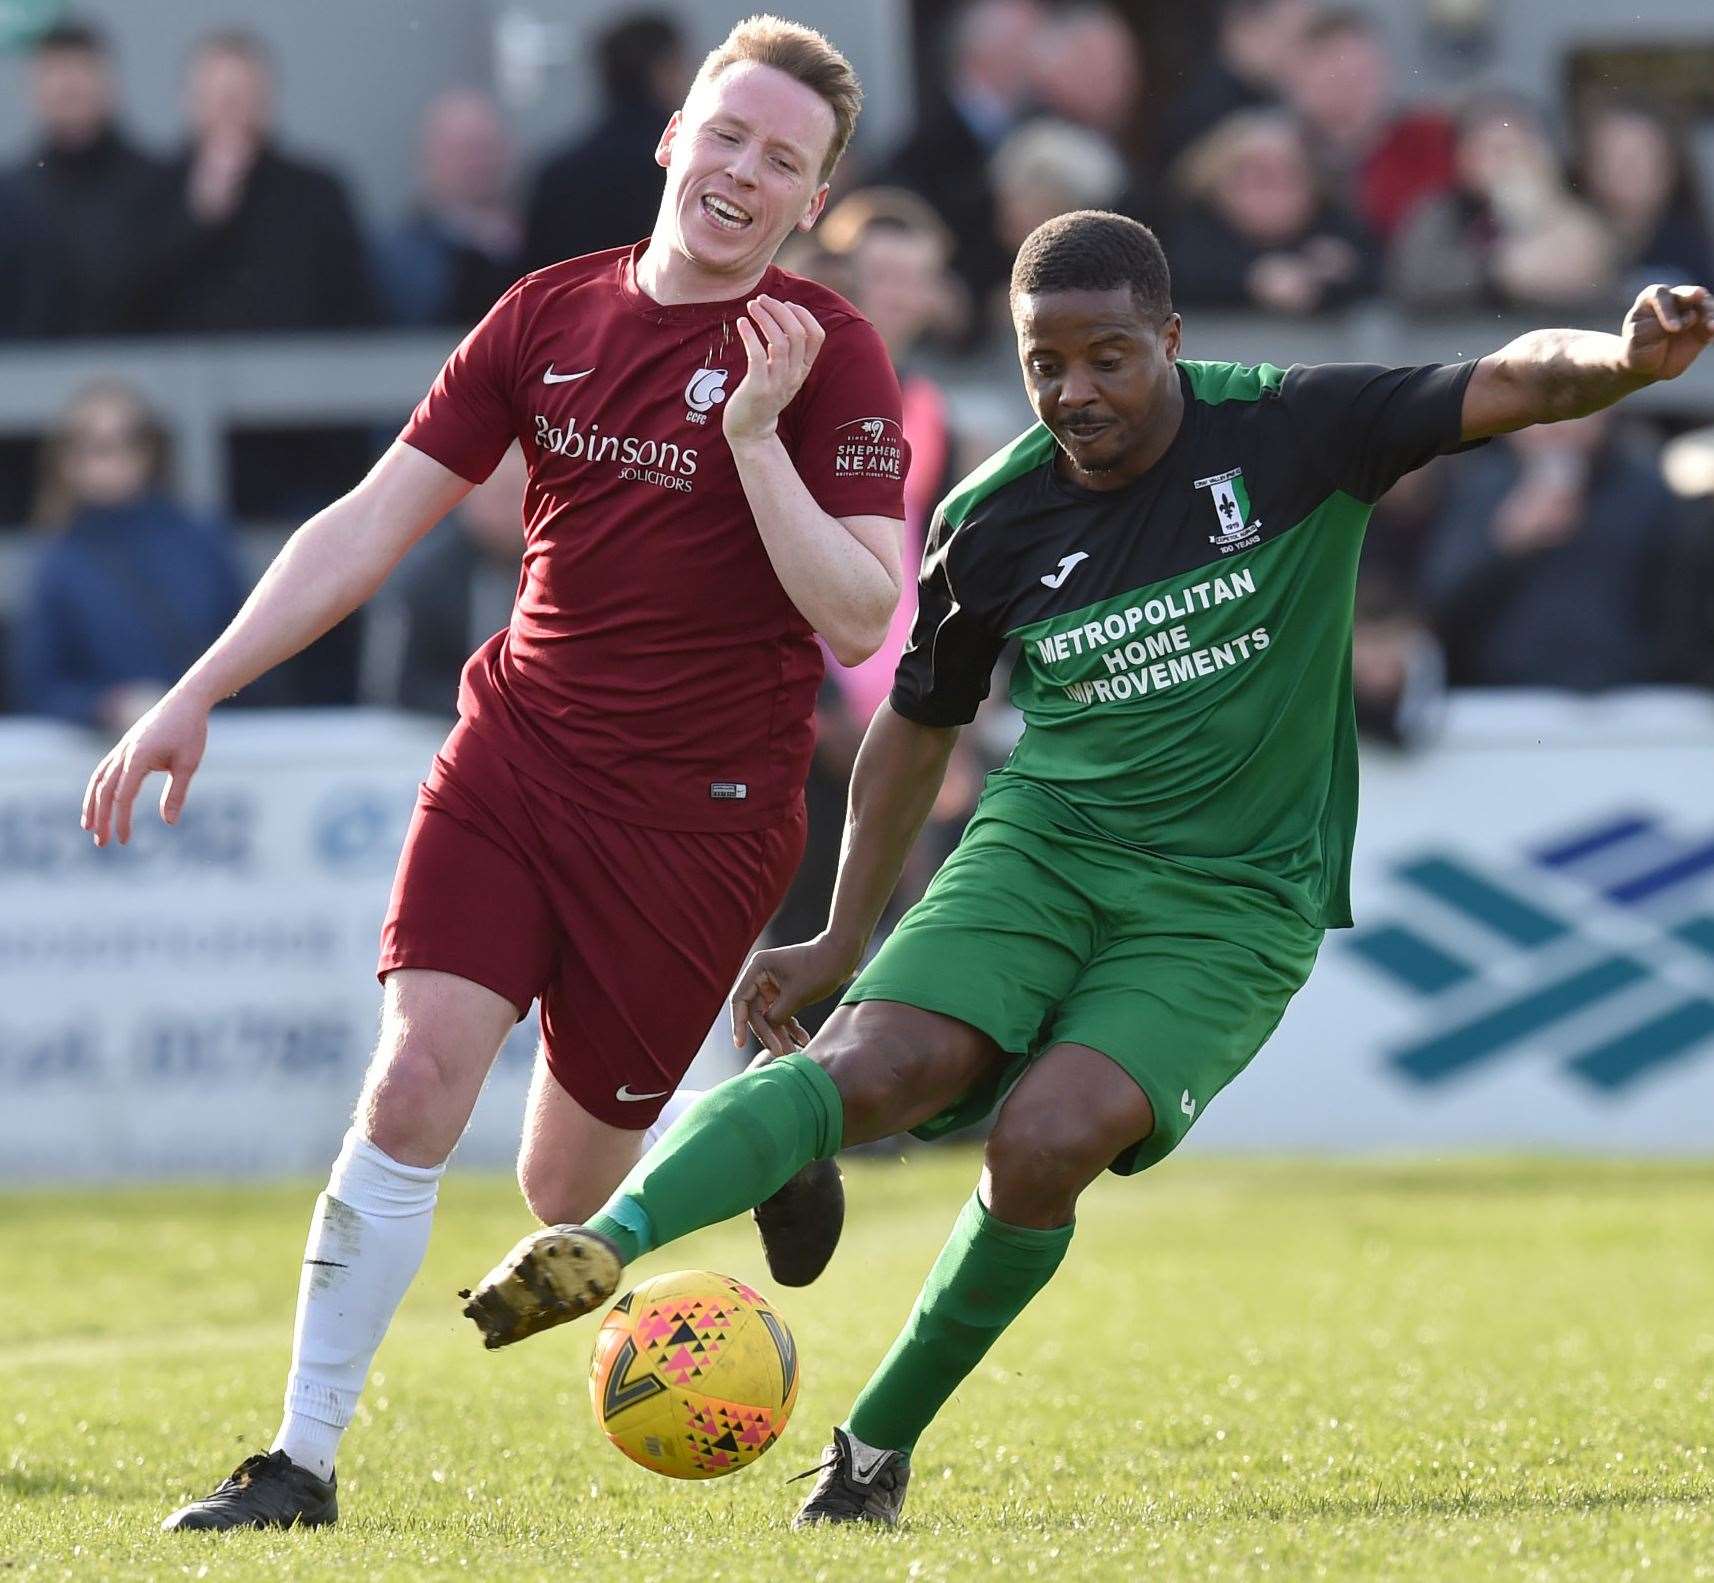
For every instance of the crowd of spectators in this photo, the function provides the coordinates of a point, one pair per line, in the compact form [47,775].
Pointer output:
[1286,170]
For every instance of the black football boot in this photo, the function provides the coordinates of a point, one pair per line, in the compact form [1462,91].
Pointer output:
[856,1487]
[800,1224]
[269,1491]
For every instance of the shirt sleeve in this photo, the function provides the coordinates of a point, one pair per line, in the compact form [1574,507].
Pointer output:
[846,435]
[944,673]
[465,421]
[1365,426]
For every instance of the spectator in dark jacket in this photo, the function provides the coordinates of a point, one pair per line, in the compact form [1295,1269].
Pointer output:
[242,236]
[461,245]
[1549,564]
[11,257]
[1510,232]
[79,192]
[1378,160]
[1256,231]
[453,593]
[992,53]
[602,191]
[1254,44]
[131,588]
[1638,172]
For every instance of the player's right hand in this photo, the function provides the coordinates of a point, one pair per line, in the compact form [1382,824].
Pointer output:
[776,984]
[170,737]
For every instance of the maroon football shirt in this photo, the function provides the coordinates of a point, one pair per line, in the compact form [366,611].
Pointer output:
[654,668]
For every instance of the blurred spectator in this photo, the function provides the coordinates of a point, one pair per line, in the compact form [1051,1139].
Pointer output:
[992,50]
[1380,163]
[241,236]
[603,190]
[1687,462]
[1509,232]
[893,254]
[1255,230]
[1254,44]
[453,593]
[11,256]
[1048,168]
[131,588]
[78,193]
[461,245]
[1091,71]
[1550,563]
[1638,173]
[1398,671]
[1398,677]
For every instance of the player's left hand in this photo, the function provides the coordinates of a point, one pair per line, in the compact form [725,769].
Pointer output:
[1666,329]
[781,340]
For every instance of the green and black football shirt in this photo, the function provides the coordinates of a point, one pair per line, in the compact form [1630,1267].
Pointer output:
[1185,666]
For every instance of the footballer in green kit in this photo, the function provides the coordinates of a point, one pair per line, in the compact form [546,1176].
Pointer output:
[1145,883]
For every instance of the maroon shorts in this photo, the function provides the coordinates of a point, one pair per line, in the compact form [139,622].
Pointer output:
[630,937]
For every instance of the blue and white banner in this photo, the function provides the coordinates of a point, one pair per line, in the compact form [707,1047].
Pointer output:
[203,1001]
[1533,966]
[1533,962]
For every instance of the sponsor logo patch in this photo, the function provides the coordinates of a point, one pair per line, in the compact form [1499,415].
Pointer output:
[870,448]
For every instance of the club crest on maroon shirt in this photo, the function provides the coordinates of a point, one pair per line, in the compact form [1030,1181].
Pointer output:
[706,390]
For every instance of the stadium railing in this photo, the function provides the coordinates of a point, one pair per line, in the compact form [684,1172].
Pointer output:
[207,388]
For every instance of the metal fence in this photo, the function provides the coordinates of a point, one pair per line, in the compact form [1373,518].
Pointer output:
[206,389]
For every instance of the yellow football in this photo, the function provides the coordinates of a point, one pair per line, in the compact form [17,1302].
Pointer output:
[694,1375]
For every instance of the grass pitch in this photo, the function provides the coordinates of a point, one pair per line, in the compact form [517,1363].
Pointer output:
[1243,1371]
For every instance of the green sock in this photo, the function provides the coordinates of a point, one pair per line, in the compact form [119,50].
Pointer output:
[738,1144]
[984,1278]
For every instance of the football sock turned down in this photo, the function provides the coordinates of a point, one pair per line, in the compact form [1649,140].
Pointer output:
[740,1143]
[366,1241]
[984,1278]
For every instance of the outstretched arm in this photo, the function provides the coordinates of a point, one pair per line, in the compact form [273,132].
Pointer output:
[327,569]
[893,787]
[1550,375]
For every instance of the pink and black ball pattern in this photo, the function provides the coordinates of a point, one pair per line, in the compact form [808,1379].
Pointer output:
[694,1375]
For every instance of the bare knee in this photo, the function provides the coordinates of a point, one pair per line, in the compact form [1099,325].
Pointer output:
[439,1036]
[417,1098]
[896,1066]
[569,1161]
[560,1191]
[1037,1163]
[871,1075]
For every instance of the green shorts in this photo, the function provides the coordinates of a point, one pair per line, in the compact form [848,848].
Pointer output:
[1046,936]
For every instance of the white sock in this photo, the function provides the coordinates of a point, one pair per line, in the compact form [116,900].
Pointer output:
[366,1241]
[670,1112]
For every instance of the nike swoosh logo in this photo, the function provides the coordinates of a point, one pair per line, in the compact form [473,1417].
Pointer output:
[1066,565]
[625,1093]
[551,378]
[863,1471]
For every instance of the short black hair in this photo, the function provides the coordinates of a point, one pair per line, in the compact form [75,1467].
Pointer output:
[1094,250]
[72,35]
